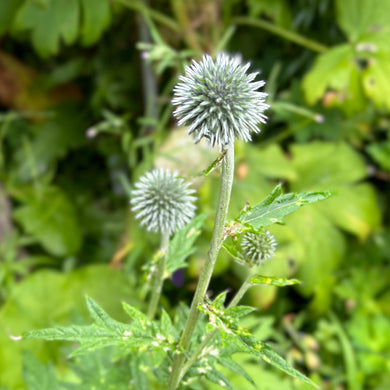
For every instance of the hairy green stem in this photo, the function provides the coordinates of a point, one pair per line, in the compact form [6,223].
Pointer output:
[149,80]
[207,271]
[277,30]
[158,280]
[236,299]
[159,17]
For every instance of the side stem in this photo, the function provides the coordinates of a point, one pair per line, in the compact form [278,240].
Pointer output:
[205,276]
[237,298]
[158,280]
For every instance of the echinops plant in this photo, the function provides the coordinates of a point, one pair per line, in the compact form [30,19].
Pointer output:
[218,100]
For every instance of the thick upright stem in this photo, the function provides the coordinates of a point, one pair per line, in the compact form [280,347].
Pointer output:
[237,298]
[158,280]
[205,276]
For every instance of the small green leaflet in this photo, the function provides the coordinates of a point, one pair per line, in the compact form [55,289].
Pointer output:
[227,323]
[272,281]
[106,331]
[38,376]
[277,205]
[182,244]
[215,164]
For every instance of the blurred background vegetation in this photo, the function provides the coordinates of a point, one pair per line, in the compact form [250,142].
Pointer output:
[85,88]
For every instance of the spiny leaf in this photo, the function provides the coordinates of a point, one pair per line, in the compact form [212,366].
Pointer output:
[215,164]
[106,332]
[139,380]
[136,315]
[233,334]
[276,206]
[235,368]
[271,357]
[102,319]
[239,311]
[38,376]
[272,281]
[182,244]
[218,378]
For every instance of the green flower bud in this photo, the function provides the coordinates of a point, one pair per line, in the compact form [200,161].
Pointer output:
[256,248]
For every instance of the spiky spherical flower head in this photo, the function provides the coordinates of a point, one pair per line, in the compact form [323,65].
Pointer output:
[163,201]
[219,100]
[257,248]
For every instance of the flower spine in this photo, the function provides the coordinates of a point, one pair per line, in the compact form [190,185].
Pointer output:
[256,248]
[163,201]
[219,100]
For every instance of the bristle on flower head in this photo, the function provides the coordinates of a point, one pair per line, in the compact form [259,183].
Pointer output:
[163,201]
[219,100]
[257,248]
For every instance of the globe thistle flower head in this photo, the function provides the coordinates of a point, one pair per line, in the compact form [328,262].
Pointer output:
[163,201]
[219,100]
[256,248]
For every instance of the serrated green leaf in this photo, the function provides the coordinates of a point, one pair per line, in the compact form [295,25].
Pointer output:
[331,70]
[235,368]
[380,152]
[354,209]
[271,357]
[70,15]
[269,161]
[375,80]
[96,17]
[237,312]
[182,244]
[8,10]
[233,334]
[215,164]
[357,17]
[102,319]
[326,165]
[219,301]
[138,376]
[218,378]
[274,208]
[272,281]
[50,217]
[37,376]
[136,315]
[103,333]
[76,333]
[52,297]
[166,325]
[57,20]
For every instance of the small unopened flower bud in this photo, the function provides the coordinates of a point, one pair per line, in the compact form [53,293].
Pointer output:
[163,201]
[257,248]
[218,100]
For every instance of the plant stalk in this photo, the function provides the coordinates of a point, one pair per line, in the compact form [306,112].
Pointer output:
[205,276]
[158,280]
[241,292]
[277,30]
[237,298]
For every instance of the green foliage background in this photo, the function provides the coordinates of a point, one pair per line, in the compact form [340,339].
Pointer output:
[85,90]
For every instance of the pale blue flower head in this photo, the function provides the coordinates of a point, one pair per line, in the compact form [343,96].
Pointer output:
[219,100]
[163,201]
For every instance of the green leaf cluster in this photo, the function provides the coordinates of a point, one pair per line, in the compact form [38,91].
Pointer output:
[356,71]
[226,321]
[51,23]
